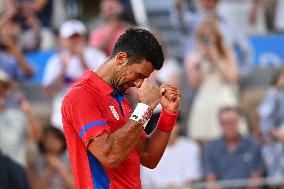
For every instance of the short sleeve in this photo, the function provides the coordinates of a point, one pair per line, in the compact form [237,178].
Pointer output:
[86,118]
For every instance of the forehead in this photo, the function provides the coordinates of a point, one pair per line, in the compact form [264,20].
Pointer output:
[229,114]
[143,67]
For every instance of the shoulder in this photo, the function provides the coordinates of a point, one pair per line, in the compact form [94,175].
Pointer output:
[15,114]
[214,145]
[100,29]
[81,94]
[250,142]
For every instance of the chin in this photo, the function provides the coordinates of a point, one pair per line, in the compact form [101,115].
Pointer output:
[120,90]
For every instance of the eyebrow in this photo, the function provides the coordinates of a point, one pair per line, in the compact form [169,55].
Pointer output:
[142,75]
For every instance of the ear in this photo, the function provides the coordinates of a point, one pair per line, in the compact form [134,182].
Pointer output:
[121,58]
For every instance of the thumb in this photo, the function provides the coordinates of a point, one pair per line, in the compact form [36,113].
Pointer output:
[163,90]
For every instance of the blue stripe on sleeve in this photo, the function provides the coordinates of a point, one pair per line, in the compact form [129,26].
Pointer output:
[90,125]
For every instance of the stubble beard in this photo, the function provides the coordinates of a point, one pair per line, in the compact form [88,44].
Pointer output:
[118,80]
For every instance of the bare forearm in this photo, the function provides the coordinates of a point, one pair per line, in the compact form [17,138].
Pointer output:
[27,70]
[34,130]
[116,146]
[154,148]
[38,5]
[125,139]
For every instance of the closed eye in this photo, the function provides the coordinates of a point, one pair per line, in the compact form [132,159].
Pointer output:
[140,76]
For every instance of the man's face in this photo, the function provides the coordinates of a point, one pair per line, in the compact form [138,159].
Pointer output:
[207,5]
[111,9]
[73,43]
[229,121]
[52,143]
[131,75]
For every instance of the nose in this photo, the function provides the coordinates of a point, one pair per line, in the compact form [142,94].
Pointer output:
[138,83]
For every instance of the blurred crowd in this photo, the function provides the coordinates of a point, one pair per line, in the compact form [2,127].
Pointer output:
[225,131]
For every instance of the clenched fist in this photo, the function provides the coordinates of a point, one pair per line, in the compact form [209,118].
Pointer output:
[149,94]
[170,98]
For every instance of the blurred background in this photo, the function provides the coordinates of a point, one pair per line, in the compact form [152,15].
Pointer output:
[226,56]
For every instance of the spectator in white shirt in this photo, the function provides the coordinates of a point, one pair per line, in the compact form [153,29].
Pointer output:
[67,66]
[179,166]
[187,23]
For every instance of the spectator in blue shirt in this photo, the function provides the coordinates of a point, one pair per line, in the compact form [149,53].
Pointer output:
[12,59]
[232,156]
[271,113]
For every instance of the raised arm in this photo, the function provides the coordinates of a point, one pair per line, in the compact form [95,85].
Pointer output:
[152,148]
[112,149]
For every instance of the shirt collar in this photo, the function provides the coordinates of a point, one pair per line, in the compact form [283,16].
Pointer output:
[99,83]
[239,147]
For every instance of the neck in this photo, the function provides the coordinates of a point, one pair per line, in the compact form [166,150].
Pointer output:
[105,71]
[232,142]
[113,20]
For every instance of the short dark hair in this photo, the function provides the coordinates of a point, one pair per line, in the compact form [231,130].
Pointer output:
[55,131]
[227,109]
[140,44]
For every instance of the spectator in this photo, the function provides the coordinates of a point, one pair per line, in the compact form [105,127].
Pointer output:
[187,23]
[232,156]
[67,66]
[16,125]
[279,23]
[179,166]
[105,36]
[212,71]
[271,112]
[41,11]
[12,58]
[246,13]
[51,169]
[12,175]
[41,8]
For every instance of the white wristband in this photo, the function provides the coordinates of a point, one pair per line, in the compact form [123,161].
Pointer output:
[141,114]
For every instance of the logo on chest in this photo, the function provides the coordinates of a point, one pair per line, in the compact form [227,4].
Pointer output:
[114,112]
